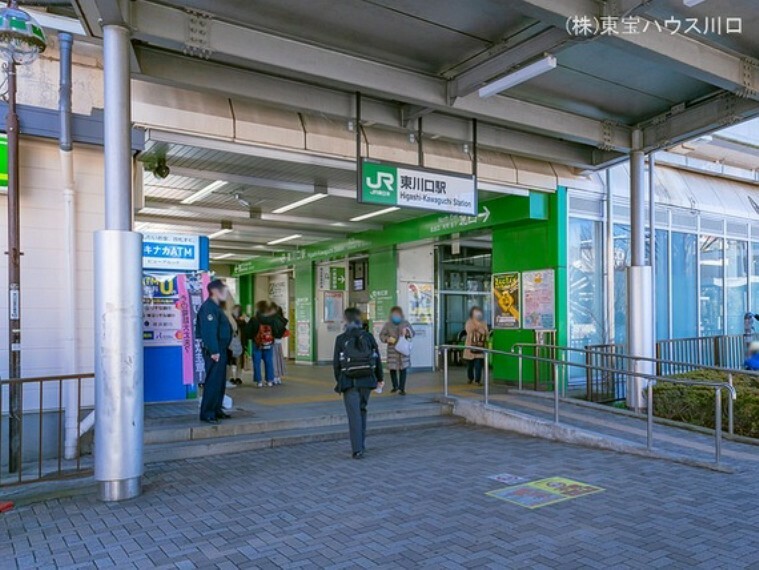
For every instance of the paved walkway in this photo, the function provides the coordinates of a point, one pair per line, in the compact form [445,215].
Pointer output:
[416,501]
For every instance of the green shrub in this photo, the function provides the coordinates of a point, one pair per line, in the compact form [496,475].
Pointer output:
[695,405]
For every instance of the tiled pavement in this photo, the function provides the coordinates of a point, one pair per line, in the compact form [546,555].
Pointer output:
[416,501]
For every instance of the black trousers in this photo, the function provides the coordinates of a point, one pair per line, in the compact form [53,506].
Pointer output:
[214,387]
[474,369]
[356,400]
[398,378]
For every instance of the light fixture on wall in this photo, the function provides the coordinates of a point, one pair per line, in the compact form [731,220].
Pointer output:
[205,191]
[521,75]
[284,239]
[299,203]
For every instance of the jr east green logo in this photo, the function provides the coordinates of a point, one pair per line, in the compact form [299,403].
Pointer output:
[380,183]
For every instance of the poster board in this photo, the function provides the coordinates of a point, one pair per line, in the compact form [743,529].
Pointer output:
[420,303]
[333,306]
[161,310]
[539,299]
[506,300]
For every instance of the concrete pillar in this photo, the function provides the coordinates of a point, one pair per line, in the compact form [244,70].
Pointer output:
[118,296]
[640,337]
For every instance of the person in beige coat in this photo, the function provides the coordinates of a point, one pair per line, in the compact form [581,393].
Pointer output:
[398,364]
[476,336]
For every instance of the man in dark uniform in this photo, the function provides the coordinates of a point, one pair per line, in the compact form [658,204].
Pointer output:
[215,331]
[358,371]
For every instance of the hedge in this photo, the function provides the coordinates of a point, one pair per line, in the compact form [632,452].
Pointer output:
[695,405]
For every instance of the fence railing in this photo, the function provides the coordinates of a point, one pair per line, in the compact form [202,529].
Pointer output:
[559,363]
[32,429]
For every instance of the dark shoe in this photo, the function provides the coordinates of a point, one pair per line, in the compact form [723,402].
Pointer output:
[394,390]
[470,381]
[213,422]
[479,383]
[222,416]
[402,392]
[358,455]
[237,381]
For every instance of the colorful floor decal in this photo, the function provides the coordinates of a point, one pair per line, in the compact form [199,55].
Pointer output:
[508,479]
[544,492]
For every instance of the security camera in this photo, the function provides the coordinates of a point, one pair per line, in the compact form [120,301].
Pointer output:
[161,169]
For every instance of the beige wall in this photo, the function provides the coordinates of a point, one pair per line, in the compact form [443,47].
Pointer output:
[42,265]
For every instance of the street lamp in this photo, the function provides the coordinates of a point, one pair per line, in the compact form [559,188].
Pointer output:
[21,42]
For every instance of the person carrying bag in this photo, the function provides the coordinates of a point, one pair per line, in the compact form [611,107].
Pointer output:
[398,333]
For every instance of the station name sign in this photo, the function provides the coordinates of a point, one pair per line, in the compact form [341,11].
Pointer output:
[389,184]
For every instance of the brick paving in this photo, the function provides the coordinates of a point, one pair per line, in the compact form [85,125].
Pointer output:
[416,501]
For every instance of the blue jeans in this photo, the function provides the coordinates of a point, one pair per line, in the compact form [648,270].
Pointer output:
[267,355]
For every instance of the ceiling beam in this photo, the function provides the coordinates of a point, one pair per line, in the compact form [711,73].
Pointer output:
[718,112]
[167,27]
[679,52]
[226,81]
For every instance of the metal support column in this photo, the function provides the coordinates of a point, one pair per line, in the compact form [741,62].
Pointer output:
[118,303]
[15,391]
[640,340]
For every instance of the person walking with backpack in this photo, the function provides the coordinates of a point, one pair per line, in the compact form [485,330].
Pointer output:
[476,336]
[260,330]
[358,371]
[397,333]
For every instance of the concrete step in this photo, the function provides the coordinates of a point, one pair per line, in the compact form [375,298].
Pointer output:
[192,430]
[204,447]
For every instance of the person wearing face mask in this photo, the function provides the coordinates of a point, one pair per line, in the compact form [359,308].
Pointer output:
[395,328]
[476,336]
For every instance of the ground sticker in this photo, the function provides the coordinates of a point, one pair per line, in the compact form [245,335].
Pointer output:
[507,478]
[544,492]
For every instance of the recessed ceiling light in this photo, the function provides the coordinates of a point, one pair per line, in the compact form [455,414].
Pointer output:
[374,214]
[221,232]
[205,191]
[299,203]
[284,239]
[222,256]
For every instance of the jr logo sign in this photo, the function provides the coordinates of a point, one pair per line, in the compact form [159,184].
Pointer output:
[380,183]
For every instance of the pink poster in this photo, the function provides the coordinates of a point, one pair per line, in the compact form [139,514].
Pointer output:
[193,290]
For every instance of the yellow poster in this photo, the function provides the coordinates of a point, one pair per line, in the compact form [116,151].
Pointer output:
[506,297]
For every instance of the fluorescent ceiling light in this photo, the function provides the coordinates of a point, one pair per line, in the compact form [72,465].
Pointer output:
[374,214]
[691,3]
[284,239]
[519,76]
[221,232]
[299,203]
[205,191]
[223,256]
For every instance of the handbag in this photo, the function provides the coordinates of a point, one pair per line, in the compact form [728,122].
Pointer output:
[403,346]
[235,347]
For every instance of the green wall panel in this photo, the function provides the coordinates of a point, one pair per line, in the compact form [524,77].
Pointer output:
[531,246]
[305,276]
[383,285]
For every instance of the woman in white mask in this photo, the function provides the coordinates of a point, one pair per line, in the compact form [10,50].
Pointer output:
[476,336]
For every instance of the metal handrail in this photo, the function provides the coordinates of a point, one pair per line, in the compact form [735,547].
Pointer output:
[730,371]
[651,379]
[7,381]
[638,358]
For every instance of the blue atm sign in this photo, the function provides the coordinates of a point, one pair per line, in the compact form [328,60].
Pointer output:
[170,252]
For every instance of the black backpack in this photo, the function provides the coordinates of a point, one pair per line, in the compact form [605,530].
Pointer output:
[358,357]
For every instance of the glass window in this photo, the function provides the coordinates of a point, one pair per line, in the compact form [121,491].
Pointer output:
[621,262]
[662,284]
[754,277]
[736,281]
[585,282]
[712,274]
[684,283]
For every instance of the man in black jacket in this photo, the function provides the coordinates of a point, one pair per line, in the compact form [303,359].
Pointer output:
[212,326]
[358,370]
